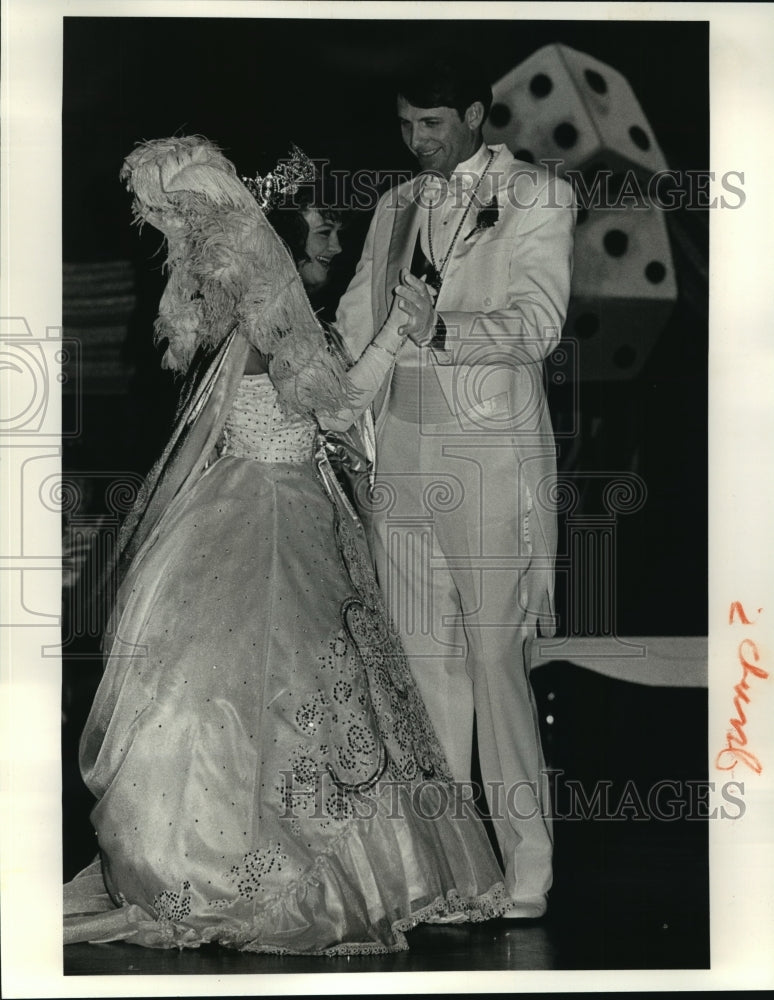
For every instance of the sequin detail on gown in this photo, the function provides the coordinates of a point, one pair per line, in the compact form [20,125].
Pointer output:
[256,428]
[266,773]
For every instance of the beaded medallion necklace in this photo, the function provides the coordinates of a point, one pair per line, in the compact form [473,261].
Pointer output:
[436,272]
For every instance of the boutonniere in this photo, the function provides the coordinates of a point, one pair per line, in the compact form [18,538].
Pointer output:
[488,216]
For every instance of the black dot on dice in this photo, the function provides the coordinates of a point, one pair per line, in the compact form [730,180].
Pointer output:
[655,272]
[565,135]
[525,154]
[596,81]
[583,214]
[541,85]
[639,138]
[616,242]
[624,357]
[500,115]
[586,325]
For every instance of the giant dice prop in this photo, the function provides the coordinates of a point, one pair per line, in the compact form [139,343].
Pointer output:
[623,291]
[563,106]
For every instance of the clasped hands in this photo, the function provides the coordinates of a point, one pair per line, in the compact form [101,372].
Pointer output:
[413,310]
[417,299]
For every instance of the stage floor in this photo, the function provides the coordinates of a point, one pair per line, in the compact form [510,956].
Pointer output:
[628,900]
[631,887]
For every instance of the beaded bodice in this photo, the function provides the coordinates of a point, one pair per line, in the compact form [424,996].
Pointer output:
[256,427]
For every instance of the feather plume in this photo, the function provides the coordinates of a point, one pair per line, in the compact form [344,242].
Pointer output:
[228,269]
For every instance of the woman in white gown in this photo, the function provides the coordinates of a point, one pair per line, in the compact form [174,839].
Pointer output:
[265,772]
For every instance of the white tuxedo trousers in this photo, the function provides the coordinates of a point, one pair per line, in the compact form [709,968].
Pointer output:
[450,539]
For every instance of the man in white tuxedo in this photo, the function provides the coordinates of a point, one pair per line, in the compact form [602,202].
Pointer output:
[478,249]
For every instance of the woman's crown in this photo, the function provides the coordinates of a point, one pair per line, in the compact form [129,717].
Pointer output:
[286,178]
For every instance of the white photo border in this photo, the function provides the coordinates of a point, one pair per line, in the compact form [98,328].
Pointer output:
[741,493]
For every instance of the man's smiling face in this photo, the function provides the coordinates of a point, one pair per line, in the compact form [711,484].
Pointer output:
[437,137]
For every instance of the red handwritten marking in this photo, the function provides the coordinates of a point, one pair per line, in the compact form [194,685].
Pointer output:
[737,609]
[736,739]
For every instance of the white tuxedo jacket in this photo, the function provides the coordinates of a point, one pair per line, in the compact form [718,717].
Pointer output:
[504,301]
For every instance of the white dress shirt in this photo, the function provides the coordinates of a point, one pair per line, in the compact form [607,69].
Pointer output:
[449,200]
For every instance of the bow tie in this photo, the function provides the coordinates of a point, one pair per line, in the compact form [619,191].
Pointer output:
[436,189]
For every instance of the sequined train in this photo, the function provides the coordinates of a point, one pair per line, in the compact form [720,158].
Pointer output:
[265,772]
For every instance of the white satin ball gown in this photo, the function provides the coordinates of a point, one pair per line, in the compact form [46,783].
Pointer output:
[265,772]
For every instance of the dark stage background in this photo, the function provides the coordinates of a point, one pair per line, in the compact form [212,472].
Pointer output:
[255,86]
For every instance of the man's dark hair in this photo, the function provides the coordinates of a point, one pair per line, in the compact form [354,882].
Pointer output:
[446,79]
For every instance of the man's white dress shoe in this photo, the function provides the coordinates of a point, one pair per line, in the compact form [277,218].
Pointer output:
[526,909]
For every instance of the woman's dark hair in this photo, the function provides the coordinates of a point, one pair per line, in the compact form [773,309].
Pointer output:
[288,220]
[447,79]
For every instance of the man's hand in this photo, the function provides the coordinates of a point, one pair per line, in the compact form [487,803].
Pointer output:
[415,298]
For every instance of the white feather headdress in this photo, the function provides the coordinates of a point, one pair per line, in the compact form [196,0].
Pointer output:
[228,269]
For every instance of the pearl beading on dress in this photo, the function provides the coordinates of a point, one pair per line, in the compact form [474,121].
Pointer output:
[256,428]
